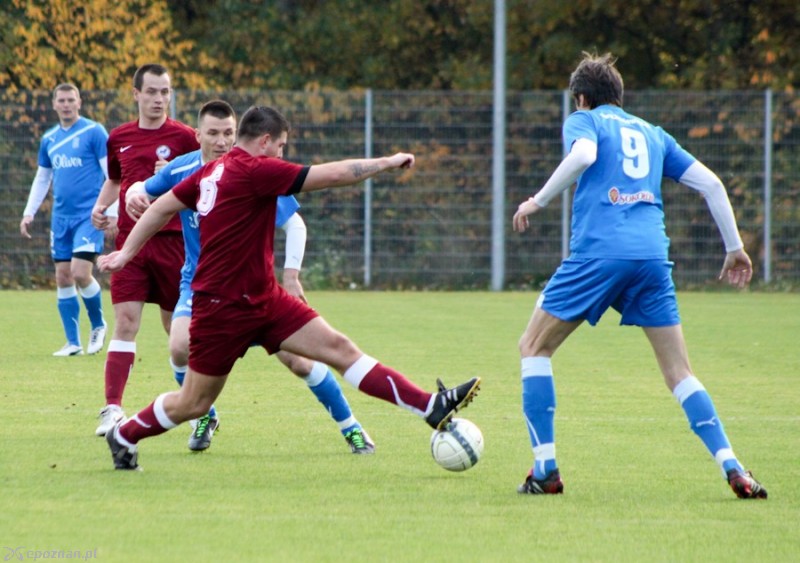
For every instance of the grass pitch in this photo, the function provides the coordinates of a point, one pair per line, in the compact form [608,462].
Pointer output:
[279,483]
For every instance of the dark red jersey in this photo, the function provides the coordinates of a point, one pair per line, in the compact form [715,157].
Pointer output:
[235,197]
[132,156]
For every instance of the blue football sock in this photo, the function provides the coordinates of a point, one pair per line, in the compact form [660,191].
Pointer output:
[703,420]
[70,309]
[539,406]
[93,301]
[327,390]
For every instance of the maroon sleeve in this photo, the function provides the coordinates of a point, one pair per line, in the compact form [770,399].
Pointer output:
[186,189]
[274,176]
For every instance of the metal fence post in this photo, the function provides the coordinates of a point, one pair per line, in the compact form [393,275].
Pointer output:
[498,150]
[768,185]
[368,190]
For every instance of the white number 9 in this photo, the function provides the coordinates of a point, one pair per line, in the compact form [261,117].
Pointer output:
[636,163]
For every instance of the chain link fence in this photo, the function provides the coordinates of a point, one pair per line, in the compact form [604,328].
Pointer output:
[431,227]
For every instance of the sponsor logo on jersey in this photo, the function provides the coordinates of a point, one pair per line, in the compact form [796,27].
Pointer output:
[163,152]
[64,161]
[123,149]
[618,198]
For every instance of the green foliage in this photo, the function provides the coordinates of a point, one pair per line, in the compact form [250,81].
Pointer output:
[279,483]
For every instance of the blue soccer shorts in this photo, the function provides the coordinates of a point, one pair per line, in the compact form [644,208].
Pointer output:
[183,308]
[71,235]
[642,291]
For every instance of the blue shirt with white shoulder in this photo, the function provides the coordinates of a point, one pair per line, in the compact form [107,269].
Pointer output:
[168,177]
[74,156]
[618,210]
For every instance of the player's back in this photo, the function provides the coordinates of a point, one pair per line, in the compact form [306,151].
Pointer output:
[618,209]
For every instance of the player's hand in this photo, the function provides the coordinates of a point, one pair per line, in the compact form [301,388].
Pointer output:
[401,160]
[291,283]
[24,224]
[99,218]
[136,204]
[113,262]
[160,163]
[520,220]
[737,268]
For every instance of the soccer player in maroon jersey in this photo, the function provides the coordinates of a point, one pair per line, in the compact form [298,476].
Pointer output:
[238,301]
[135,150]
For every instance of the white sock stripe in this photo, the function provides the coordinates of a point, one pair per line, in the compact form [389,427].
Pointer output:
[90,290]
[532,429]
[161,414]
[536,366]
[317,374]
[118,437]
[122,346]
[687,388]
[544,452]
[178,369]
[356,373]
[723,455]
[66,292]
[347,422]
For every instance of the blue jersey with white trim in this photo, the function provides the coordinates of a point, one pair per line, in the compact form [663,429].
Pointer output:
[618,210]
[169,177]
[74,156]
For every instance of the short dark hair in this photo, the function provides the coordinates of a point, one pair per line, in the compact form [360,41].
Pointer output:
[152,68]
[66,87]
[216,108]
[598,80]
[261,120]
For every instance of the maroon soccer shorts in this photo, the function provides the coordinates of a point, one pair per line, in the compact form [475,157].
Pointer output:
[222,330]
[154,275]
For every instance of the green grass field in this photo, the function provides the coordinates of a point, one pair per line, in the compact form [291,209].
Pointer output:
[279,483]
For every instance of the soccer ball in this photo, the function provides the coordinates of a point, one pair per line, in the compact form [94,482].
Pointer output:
[459,446]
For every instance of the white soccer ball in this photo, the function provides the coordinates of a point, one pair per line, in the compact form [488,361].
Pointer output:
[459,446]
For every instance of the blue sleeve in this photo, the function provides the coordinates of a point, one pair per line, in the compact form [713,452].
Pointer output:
[287,206]
[162,181]
[44,158]
[676,159]
[578,125]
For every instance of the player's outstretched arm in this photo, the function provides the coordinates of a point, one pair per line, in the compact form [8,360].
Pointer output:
[582,155]
[151,221]
[353,171]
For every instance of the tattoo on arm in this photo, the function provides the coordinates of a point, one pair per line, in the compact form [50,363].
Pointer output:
[359,170]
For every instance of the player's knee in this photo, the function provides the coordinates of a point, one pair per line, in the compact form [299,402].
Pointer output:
[179,350]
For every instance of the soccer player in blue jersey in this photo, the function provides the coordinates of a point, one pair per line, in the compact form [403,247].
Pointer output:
[619,259]
[72,156]
[216,130]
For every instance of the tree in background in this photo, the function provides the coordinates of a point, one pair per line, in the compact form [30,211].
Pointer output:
[97,45]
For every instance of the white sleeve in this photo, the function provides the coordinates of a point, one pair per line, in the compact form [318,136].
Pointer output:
[103,162]
[39,188]
[700,178]
[295,229]
[112,210]
[581,156]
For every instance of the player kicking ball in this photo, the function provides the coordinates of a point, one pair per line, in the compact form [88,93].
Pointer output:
[237,299]
[216,131]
